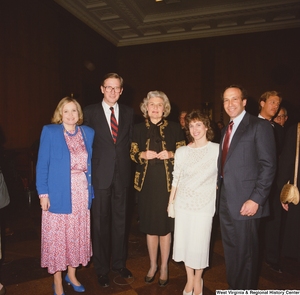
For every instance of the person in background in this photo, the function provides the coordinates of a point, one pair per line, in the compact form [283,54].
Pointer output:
[2,288]
[246,169]
[217,128]
[4,201]
[63,181]
[269,104]
[291,236]
[281,116]
[182,118]
[111,167]
[220,125]
[152,149]
[182,124]
[194,192]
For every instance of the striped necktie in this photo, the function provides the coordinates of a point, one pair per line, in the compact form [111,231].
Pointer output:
[113,125]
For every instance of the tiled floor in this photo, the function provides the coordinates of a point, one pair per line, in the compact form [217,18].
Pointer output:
[22,274]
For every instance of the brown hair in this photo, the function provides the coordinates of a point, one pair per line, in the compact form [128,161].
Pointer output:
[113,75]
[244,93]
[196,115]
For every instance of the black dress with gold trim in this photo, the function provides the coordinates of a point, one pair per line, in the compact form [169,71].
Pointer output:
[153,178]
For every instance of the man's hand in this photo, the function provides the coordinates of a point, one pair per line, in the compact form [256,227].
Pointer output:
[285,206]
[249,208]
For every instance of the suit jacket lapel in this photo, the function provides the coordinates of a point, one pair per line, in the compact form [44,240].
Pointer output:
[122,119]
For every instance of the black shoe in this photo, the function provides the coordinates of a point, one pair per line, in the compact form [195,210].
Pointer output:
[123,272]
[103,280]
[150,279]
[163,283]
[274,267]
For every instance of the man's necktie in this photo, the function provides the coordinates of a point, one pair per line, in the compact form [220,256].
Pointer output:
[113,125]
[226,144]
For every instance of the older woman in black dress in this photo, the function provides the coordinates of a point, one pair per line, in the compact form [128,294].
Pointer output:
[153,147]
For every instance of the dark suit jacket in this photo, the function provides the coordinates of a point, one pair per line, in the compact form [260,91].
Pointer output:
[250,166]
[279,133]
[286,171]
[108,156]
[287,159]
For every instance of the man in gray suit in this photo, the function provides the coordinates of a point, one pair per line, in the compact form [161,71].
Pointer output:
[246,173]
[111,172]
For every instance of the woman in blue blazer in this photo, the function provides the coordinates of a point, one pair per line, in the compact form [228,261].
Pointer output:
[63,182]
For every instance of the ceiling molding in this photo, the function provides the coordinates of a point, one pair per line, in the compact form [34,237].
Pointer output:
[136,22]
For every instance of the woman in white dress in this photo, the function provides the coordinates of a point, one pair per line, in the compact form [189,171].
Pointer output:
[194,193]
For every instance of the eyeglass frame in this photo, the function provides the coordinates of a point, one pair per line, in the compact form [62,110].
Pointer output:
[112,88]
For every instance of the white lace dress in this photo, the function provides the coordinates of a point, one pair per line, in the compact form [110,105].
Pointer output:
[195,176]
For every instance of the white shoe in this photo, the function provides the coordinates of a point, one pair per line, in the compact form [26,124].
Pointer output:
[187,293]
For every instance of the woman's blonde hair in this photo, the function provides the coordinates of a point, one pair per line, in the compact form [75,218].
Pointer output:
[57,116]
[156,93]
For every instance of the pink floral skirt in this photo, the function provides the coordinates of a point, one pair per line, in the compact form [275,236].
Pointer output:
[66,238]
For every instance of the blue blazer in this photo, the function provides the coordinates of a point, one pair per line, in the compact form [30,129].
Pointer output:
[53,170]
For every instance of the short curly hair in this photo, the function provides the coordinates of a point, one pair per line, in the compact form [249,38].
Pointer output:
[57,116]
[156,93]
[197,115]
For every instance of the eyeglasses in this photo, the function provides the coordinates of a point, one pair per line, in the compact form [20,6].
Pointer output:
[281,116]
[110,89]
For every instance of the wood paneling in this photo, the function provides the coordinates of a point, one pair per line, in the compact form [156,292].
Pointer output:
[43,55]
[196,71]
[46,54]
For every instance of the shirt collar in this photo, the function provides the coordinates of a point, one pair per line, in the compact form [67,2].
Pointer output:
[106,107]
[237,120]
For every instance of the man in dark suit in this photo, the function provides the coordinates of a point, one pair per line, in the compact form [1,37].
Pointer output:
[286,172]
[245,179]
[269,103]
[111,170]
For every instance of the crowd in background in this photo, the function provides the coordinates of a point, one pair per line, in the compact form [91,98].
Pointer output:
[195,167]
